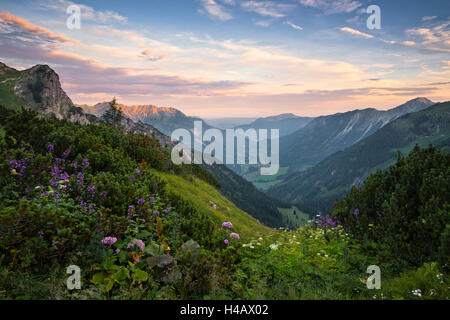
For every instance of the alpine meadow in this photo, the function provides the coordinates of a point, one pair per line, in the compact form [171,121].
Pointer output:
[224,150]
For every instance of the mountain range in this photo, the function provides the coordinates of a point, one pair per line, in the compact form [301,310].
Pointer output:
[317,188]
[287,123]
[326,135]
[164,119]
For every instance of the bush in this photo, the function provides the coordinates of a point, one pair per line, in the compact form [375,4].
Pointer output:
[400,214]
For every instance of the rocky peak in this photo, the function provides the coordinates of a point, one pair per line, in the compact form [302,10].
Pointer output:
[41,90]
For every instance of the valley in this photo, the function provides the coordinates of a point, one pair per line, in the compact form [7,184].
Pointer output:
[110,199]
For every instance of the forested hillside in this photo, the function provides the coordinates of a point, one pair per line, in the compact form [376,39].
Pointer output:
[316,189]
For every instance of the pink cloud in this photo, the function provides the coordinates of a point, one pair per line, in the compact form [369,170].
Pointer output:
[34,29]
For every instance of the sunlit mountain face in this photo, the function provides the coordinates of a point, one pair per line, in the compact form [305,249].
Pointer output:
[236,58]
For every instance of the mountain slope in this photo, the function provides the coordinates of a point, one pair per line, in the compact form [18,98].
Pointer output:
[326,135]
[286,123]
[247,197]
[317,188]
[164,119]
[37,88]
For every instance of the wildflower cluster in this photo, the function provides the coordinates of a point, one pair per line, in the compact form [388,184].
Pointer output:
[233,235]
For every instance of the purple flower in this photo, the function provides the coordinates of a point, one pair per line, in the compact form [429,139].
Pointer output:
[75,164]
[166,211]
[138,172]
[228,225]
[85,163]
[152,200]
[141,202]
[18,167]
[50,148]
[40,234]
[103,195]
[91,189]
[65,176]
[109,240]
[132,178]
[226,241]
[65,153]
[234,235]
[326,221]
[130,211]
[53,181]
[156,212]
[80,178]
[356,213]
[117,250]
[136,242]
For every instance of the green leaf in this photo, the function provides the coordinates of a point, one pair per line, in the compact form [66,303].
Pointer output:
[98,278]
[140,275]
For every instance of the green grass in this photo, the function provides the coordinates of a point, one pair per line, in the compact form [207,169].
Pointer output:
[265,182]
[295,220]
[200,193]
[8,98]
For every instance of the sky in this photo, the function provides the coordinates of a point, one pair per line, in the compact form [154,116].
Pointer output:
[236,58]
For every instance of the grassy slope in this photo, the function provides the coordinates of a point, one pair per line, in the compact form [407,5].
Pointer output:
[265,182]
[7,96]
[297,220]
[199,193]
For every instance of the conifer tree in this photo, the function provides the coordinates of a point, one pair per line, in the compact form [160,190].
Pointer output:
[114,115]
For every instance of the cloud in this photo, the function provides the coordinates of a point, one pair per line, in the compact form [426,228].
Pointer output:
[294,26]
[428,18]
[435,38]
[356,33]
[267,8]
[87,12]
[215,10]
[17,26]
[263,23]
[147,54]
[333,6]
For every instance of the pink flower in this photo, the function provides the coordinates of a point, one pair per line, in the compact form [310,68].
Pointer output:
[226,241]
[109,240]
[136,242]
[227,225]
[234,235]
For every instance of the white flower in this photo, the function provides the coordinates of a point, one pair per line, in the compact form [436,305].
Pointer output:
[273,246]
[417,292]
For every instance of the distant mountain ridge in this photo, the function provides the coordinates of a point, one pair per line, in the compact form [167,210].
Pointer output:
[164,119]
[317,188]
[326,135]
[287,123]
